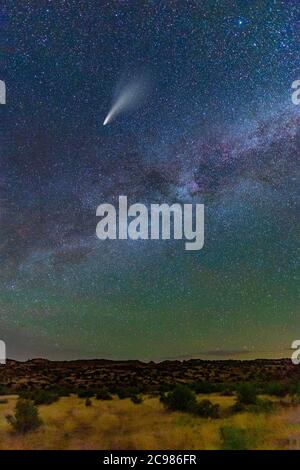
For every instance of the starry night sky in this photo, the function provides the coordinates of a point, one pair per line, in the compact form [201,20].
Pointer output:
[218,128]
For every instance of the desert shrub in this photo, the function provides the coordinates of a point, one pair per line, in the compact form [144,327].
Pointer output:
[227,392]
[25,394]
[295,399]
[103,394]
[61,391]
[204,387]
[39,397]
[207,409]
[127,392]
[85,393]
[295,392]
[247,394]
[294,389]
[183,398]
[154,394]
[276,389]
[88,402]
[4,390]
[164,388]
[122,393]
[262,406]
[235,438]
[26,417]
[136,399]
[225,389]
[180,399]
[44,397]
[237,407]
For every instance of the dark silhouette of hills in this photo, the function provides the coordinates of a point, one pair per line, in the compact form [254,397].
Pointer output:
[91,374]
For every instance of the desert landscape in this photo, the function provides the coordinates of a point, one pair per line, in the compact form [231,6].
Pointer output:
[90,374]
[194,404]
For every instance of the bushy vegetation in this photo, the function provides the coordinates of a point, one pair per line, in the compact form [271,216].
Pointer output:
[103,394]
[44,397]
[262,406]
[85,393]
[207,409]
[127,392]
[4,390]
[227,392]
[247,400]
[164,388]
[183,398]
[247,394]
[204,386]
[179,399]
[70,424]
[61,391]
[276,389]
[26,417]
[295,389]
[236,438]
[136,399]
[40,397]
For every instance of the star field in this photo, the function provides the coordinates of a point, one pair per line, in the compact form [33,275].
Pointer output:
[218,128]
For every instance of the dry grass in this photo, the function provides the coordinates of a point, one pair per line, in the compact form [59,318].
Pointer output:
[120,424]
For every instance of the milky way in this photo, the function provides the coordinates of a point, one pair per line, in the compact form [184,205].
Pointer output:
[219,128]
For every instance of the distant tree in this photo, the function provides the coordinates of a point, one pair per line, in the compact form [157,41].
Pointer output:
[247,394]
[204,387]
[276,389]
[103,394]
[44,397]
[180,399]
[136,399]
[85,393]
[126,392]
[26,417]
[207,409]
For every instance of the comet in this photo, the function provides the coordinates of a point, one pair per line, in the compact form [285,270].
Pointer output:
[128,98]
